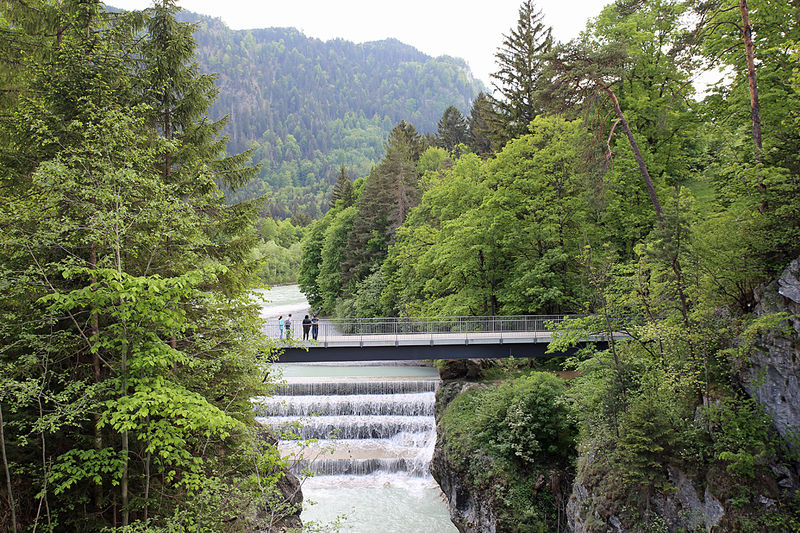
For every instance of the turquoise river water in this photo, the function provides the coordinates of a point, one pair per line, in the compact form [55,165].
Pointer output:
[371,475]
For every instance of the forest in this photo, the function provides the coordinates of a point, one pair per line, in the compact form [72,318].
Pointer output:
[597,180]
[602,179]
[129,344]
[304,107]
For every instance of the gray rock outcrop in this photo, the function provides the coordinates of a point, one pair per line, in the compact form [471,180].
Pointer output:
[679,509]
[772,374]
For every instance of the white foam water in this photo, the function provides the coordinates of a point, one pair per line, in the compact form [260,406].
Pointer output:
[377,484]
[369,461]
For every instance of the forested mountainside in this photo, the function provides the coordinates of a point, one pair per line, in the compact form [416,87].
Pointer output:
[308,107]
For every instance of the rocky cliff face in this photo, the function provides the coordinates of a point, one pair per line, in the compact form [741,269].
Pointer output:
[682,508]
[288,519]
[281,514]
[772,375]
[471,512]
[773,372]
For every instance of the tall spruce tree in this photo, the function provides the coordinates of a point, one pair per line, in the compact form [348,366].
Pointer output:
[128,395]
[482,125]
[179,97]
[452,129]
[390,192]
[342,190]
[519,80]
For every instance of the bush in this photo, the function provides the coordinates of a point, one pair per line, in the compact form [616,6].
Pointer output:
[525,421]
[514,439]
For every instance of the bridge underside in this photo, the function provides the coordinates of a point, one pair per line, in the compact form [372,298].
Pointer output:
[420,352]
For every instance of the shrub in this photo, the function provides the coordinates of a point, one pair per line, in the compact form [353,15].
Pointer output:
[525,421]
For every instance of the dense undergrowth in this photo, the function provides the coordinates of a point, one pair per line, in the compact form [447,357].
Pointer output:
[515,441]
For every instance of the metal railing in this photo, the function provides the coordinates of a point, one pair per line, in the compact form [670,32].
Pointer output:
[416,327]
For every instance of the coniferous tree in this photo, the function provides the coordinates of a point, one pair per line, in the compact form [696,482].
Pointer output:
[391,190]
[482,117]
[180,97]
[452,129]
[519,79]
[126,396]
[342,190]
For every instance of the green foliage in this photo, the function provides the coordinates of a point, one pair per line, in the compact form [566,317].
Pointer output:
[367,301]
[390,192]
[745,438]
[342,190]
[452,129]
[525,421]
[76,465]
[520,77]
[308,107]
[126,399]
[330,276]
[278,255]
[311,259]
[500,236]
[279,265]
[506,438]
[482,125]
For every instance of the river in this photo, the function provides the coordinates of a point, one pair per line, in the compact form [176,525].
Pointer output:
[372,476]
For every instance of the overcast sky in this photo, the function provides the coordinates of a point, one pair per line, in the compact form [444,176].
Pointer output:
[470,29]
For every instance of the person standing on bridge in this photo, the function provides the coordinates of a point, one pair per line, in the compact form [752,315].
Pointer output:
[314,327]
[288,325]
[280,326]
[306,327]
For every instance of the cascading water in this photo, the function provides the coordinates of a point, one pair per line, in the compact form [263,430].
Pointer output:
[375,471]
[374,438]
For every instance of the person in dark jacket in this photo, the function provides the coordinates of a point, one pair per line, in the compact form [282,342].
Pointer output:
[306,327]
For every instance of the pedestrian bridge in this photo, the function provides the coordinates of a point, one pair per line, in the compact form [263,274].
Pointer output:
[384,339]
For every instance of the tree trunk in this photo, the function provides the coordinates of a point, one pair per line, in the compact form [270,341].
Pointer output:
[11,503]
[98,437]
[636,153]
[755,106]
[168,136]
[123,484]
[147,478]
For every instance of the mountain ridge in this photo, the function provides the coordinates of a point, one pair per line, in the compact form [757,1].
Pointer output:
[306,107]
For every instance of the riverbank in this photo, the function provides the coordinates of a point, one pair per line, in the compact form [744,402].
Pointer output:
[653,450]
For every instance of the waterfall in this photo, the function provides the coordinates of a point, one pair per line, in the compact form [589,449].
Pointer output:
[373,475]
[361,426]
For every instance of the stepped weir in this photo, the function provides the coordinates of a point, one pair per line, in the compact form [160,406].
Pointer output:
[376,431]
[361,425]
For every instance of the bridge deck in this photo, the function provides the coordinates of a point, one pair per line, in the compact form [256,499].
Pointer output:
[420,338]
[423,339]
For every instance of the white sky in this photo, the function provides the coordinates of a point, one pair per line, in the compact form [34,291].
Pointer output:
[470,29]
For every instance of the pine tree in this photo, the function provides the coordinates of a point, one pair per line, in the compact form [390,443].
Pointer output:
[482,117]
[391,190]
[180,98]
[519,78]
